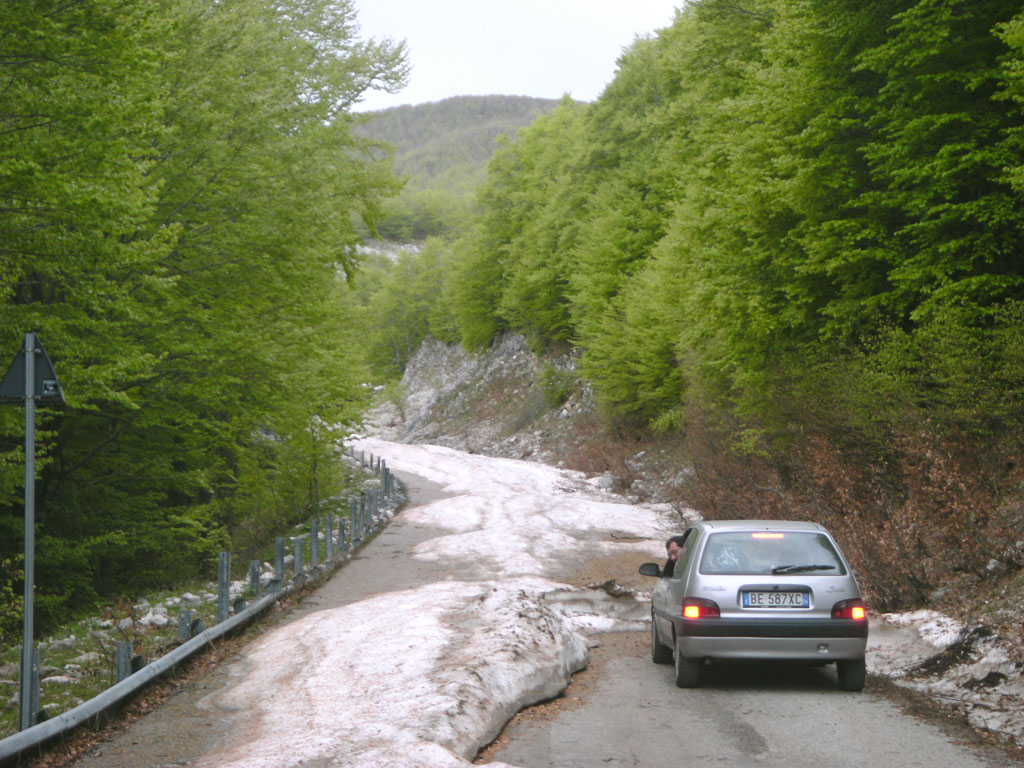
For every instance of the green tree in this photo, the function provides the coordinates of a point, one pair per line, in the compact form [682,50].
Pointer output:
[182,208]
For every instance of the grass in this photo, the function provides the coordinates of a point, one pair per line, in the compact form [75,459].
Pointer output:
[81,655]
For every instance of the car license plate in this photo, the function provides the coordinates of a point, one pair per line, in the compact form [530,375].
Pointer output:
[776,600]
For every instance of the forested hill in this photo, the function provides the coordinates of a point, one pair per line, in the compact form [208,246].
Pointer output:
[443,148]
[453,138]
[788,235]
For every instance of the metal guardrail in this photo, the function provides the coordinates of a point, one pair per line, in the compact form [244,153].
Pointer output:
[30,741]
[364,519]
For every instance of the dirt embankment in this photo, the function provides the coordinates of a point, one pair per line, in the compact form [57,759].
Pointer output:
[510,402]
[934,540]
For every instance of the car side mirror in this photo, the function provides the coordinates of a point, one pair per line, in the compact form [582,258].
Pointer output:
[651,569]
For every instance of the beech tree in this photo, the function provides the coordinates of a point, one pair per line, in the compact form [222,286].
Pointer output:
[771,198]
[181,197]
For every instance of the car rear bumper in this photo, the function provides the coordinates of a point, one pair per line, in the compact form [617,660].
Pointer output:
[815,640]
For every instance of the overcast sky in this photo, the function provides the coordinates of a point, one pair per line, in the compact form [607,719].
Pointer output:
[542,48]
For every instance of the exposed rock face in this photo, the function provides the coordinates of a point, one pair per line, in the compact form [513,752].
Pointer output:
[493,403]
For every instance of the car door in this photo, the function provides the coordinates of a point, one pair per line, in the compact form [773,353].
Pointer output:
[667,597]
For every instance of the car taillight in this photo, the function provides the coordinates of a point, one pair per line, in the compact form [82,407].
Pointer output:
[850,609]
[699,608]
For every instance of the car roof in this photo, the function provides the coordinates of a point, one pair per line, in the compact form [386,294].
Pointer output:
[762,525]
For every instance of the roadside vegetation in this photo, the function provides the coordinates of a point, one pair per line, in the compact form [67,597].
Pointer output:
[783,251]
[787,240]
[181,196]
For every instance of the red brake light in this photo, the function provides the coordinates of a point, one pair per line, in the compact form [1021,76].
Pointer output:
[850,609]
[699,608]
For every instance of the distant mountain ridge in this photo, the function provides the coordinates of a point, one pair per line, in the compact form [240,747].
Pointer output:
[446,144]
[442,149]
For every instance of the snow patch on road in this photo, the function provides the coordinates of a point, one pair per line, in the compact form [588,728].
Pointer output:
[401,674]
[429,676]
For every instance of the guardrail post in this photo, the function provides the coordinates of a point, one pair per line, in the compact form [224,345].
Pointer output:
[278,581]
[254,577]
[353,514]
[185,618]
[342,546]
[298,555]
[223,586]
[329,537]
[314,542]
[124,659]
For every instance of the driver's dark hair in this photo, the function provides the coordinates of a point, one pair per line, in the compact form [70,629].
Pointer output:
[679,539]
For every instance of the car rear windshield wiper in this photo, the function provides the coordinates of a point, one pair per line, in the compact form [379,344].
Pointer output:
[801,568]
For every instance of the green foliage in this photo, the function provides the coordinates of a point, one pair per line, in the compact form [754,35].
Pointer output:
[557,385]
[442,149]
[181,194]
[794,213]
[474,288]
[401,302]
[10,603]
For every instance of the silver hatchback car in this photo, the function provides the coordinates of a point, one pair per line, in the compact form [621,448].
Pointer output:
[760,590]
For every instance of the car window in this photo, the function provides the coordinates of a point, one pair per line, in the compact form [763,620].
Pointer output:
[770,553]
[684,554]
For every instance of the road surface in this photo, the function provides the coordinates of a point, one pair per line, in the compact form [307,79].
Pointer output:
[624,711]
[630,713]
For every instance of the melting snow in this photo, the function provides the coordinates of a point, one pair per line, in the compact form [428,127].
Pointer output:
[470,654]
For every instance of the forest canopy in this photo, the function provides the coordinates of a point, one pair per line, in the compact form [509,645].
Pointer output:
[789,237]
[775,203]
[181,197]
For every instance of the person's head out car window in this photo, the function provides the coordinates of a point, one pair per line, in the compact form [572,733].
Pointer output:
[673,548]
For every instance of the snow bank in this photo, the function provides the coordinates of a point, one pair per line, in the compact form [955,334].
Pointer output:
[961,665]
[400,675]
[428,676]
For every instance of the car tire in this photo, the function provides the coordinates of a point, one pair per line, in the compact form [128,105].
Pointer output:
[687,670]
[851,674]
[660,653]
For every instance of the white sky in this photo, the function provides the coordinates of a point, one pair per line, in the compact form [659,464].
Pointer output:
[540,48]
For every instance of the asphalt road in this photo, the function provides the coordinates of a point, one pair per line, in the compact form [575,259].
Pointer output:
[622,711]
[189,727]
[630,713]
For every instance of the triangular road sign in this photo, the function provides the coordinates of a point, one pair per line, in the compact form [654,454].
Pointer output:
[46,385]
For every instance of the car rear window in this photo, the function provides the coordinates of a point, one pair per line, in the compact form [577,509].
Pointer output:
[770,553]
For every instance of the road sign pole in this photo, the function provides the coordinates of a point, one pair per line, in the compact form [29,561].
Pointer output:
[25,713]
[30,381]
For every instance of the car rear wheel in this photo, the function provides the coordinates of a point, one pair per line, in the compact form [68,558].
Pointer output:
[660,653]
[851,674]
[687,670]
